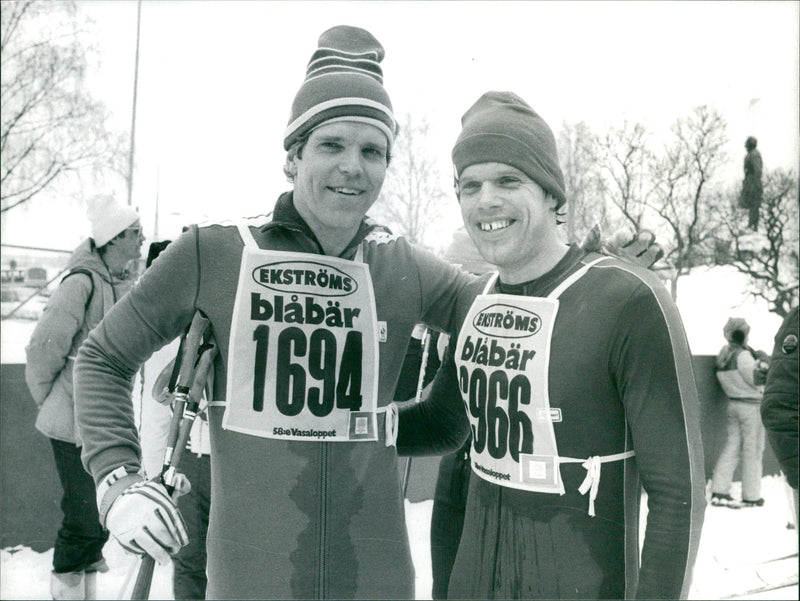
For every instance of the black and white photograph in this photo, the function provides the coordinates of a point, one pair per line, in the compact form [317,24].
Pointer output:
[399,299]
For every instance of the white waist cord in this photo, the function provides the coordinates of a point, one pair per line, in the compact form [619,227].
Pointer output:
[391,423]
[592,467]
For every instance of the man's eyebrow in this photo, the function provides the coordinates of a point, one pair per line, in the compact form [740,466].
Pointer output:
[378,144]
[339,138]
[509,171]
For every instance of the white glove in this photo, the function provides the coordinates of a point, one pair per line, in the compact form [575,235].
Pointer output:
[145,520]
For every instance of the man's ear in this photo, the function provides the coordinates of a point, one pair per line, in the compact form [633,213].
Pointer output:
[293,165]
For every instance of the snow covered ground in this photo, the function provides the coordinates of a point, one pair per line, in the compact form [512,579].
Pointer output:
[15,336]
[734,547]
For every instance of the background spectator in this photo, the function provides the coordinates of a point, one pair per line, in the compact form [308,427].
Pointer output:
[779,406]
[741,372]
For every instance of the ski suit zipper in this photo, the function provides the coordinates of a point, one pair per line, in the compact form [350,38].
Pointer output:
[495,575]
[323,521]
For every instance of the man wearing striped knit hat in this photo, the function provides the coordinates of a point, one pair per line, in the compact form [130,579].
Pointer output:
[312,308]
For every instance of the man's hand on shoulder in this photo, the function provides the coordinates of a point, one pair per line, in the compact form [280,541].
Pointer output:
[639,248]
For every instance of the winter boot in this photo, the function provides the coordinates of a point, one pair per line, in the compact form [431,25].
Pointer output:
[720,500]
[67,586]
[91,577]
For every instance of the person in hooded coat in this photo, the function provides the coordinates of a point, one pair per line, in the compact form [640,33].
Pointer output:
[96,279]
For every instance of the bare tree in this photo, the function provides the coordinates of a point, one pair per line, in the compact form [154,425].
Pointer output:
[50,126]
[623,157]
[577,149]
[768,258]
[683,195]
[412,193]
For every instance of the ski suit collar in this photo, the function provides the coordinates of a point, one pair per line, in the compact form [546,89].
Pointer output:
[285,216]
[549,280]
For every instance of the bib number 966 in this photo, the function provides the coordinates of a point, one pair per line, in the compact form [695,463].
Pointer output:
[499,431]
[330,384]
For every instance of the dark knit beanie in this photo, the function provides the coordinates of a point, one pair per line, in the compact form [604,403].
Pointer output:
[344,82]
[501,128]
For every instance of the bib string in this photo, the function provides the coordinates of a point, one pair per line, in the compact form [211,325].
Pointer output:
[592,466]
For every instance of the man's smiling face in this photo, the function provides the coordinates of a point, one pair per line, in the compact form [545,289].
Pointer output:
[340,174]
[508,215]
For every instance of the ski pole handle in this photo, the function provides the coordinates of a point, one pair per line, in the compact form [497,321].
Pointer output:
[189,414]
[188,359]
[193,340]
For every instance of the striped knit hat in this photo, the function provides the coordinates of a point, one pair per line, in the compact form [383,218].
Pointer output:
[344,82]
[501,128]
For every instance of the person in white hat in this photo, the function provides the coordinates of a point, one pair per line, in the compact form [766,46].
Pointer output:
[95,282]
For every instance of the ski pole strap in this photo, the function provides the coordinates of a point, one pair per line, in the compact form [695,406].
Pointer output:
[390,423]
[592,467]
[176,367]
[426,340]
[110,488]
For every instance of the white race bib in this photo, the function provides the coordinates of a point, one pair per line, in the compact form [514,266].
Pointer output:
[503,357]
[303,356]
[502,360]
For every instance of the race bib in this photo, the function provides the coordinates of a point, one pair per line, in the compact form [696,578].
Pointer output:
[303,357]
[502,358]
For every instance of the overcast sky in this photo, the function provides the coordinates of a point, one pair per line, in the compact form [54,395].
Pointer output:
[216,79]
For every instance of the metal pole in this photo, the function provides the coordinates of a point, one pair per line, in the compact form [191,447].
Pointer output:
[158,185]
[133,111]
[426,339]
[54,250]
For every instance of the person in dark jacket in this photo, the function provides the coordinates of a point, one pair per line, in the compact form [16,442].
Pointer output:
[452,482]
[779,405]
[752,187]
[96,280]
[570,365]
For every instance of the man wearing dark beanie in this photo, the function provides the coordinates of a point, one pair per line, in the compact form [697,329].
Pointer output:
[570,365]
[312,309]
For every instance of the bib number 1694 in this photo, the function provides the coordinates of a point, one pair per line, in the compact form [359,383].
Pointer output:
[324,386]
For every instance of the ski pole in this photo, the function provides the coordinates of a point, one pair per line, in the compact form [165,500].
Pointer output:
[426,339]
[141,589]
[188,365]
[188,373]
